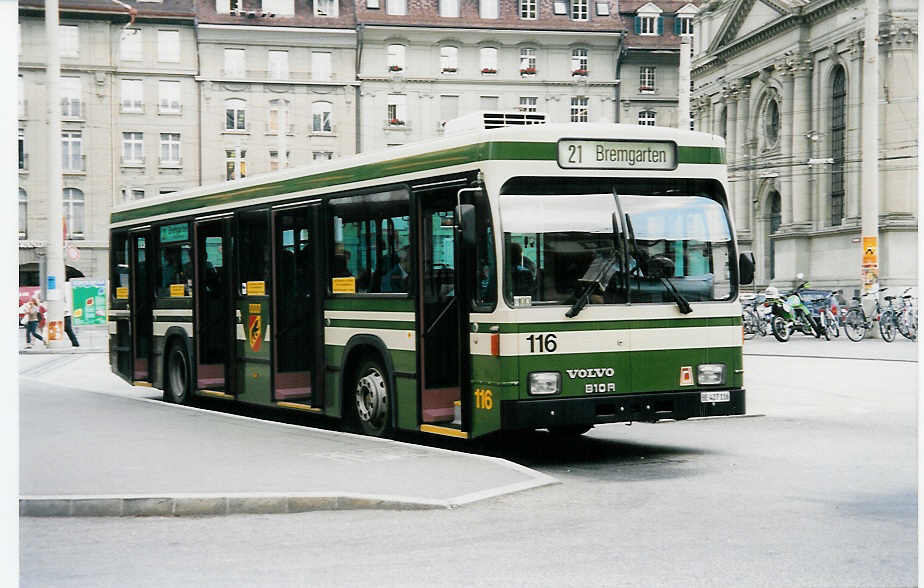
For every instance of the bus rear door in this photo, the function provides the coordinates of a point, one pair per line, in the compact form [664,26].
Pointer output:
[214,292]
[141,300]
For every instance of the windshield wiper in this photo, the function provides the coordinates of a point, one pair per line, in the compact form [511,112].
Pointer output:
[682,303]
[658,266]
[598,275]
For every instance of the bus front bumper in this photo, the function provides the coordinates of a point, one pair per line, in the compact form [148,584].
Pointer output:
[541,413]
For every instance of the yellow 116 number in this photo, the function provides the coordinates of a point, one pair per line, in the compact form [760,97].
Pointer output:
[483,399]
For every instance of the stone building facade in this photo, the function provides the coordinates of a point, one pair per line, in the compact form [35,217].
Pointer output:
[782,82]
[199,93]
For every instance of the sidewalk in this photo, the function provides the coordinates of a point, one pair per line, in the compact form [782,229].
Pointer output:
[840,348]
[92,339]
[91,445]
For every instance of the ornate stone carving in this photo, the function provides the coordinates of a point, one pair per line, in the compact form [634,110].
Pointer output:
[899,33]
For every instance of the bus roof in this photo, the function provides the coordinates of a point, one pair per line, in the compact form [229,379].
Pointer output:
[530,142]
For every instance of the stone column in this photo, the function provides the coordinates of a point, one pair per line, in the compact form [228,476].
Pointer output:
[854,100]
[742,187]
[730,94]
[801,144]
[785,138]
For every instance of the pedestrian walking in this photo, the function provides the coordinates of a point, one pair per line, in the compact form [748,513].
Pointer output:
[67,326]
[33,311]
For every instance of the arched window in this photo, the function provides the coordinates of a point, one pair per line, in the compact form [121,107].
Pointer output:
[579,61]
[488,60]
[395,57]
[235,114]
[321,117]
[776,216]
[449,60]
[772,122]
[23,213]
[838,129]
[74,202]
[646,117]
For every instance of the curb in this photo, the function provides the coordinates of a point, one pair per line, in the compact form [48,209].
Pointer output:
[72,350]
[214,504]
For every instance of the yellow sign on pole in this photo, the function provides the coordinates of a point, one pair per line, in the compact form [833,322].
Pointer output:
[870,251]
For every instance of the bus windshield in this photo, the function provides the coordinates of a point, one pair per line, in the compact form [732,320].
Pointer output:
[558,245]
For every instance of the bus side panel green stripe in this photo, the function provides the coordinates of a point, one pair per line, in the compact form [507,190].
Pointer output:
[370,303]
[358,324]
[498,150]
[614,325]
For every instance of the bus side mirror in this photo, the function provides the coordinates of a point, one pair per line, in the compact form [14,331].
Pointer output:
[465,224]
[746,268]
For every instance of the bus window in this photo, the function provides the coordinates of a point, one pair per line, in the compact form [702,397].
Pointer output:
[174,276]
[486,291]
[371,241]
[120,274]
[253,251]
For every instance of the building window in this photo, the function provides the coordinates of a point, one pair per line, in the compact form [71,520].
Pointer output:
[69,40]
[449,8]
[130,194]
[226,6]
[235,114]
[70,97]
[279,7]
[132,148]
[489,102]
[235,63]
[579,109]
[579,9]
[488,8]
[130,45]
[275,164]
[278,63]
[278,116]
[329,8]
[646,79]
[396,57]
[528,103]
[838,135]
[23,213]
[73,202]
[321,117]
[488,58]
[397,7]
[72,151]
[22,149]
[235,164]
[579,62]
[170,148]
[169,96]
[649,24]
[168,46]
[683,25]
[528,9]
[449,60]
[397,109]
[322,155]
[449,108]
[320,66]
[132,95]
[527,61]
[646,117]
[772,122]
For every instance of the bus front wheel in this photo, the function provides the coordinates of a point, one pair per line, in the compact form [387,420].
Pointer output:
[371,399]
[177,389]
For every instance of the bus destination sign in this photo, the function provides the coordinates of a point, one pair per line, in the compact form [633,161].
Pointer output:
[601,154]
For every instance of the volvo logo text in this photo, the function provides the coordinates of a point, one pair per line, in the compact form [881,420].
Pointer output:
[591,373]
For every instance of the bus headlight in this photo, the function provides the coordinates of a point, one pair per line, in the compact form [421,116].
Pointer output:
[710,373]
[544,383]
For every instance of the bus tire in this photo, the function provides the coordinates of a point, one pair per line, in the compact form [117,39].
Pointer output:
[370,398]
[570,430]
[177,387]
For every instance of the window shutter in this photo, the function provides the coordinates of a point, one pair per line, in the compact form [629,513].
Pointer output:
[676,25]
[660,25]
[638,25]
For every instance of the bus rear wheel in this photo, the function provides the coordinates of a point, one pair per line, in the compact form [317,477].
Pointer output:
[371,399]
[177,386]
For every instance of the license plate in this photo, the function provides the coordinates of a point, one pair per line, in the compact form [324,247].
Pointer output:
[715,397]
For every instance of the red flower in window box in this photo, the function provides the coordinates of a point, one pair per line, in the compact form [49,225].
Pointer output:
[579,72]
[488,70]
[396,122]
[395,68]
[646,88]
[527,71]
[449,70]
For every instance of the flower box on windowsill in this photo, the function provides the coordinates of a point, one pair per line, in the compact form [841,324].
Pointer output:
[579,72]
[529,71]
[396,122]
[646,90]
[394,68]
[488,71]
[449,70]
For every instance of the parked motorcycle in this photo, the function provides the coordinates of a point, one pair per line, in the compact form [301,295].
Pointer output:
[790,314]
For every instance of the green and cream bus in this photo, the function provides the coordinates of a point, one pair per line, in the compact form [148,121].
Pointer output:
[531,276]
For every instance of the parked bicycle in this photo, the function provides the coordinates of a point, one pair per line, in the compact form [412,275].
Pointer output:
[751,319]
[857,322]
[903,317]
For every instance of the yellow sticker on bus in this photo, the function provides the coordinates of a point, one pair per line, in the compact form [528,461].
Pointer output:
[177,290]
[256,288]
[122,293]
[343,285]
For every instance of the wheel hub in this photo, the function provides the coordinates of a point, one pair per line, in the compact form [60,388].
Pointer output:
[371,397]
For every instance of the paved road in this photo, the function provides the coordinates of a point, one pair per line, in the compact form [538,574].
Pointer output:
[820,491]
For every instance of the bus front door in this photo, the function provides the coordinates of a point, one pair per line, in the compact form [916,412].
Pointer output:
[297,341]
[141,300]
[214,326]
[440,339]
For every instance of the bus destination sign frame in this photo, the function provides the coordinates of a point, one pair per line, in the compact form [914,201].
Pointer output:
[617,154]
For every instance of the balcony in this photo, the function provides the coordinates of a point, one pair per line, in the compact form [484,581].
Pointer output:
[75,164]
[131,162]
